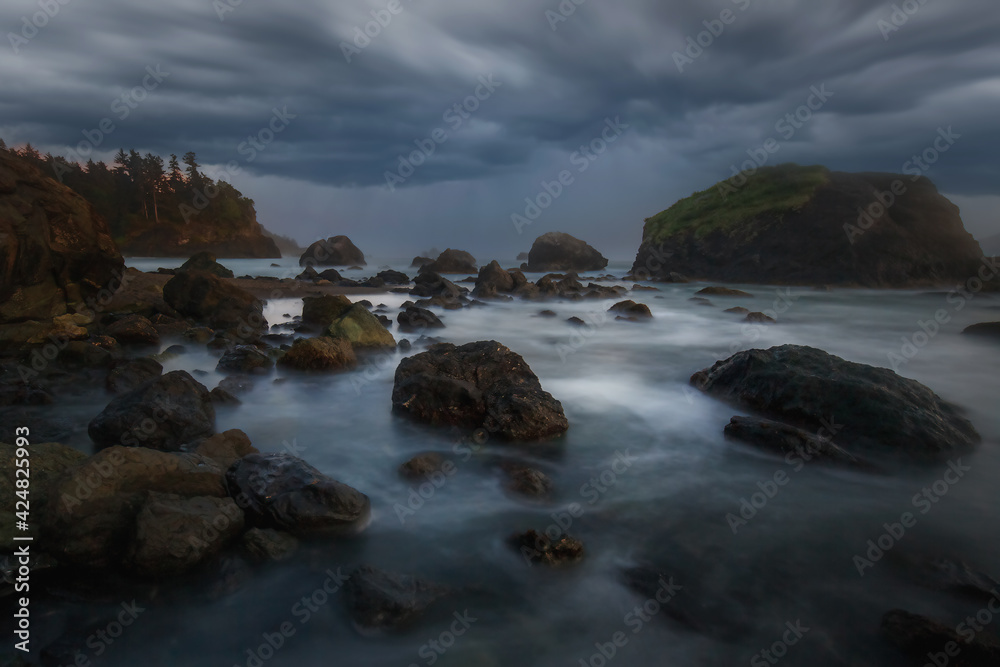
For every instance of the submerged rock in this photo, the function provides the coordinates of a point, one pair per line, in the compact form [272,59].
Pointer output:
[861,406]
[163,413]
[379,600]
[415,318]
[264,545]
[127,375]
[478,385]
[284,492]
[245,359]
[716,290]
[985,329]
[537,547]
[526,481]
[631,310]
[133,330]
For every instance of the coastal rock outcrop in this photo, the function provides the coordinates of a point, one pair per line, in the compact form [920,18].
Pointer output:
[334,251]
[558,251]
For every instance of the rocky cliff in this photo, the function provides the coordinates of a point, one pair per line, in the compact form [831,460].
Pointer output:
[809,225]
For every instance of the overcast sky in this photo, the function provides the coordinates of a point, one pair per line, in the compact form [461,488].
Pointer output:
[554,82]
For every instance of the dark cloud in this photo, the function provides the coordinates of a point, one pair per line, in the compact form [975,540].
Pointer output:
[353,120]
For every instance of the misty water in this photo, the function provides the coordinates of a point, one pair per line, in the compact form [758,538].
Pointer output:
[624,387]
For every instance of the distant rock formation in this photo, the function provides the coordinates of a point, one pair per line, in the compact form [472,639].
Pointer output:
[334,251]
[452,261]
[557,251]
[808,225]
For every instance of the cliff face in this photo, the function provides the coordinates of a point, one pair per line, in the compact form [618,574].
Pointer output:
[56,251]
[808,225]
[175,241]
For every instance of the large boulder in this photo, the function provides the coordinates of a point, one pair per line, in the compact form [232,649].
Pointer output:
[320,354]
[57,253]
[334,251]
[452,261]
[133,330]
[984,329]
[811,226]
[430,284]
[163,413]
[214,302]
[205,261]
[557,251]
[245,359]
[361,329]
[127,375]
[90,518]
[415,318]
[492,280]
[323,310]
[478,385]
[861,407]
[174,534]
[284,492]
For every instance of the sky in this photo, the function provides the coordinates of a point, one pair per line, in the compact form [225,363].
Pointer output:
[411,124]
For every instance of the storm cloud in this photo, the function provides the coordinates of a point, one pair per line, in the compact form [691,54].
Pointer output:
[475,107]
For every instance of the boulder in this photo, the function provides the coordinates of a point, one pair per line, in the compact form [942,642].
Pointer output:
[244,359]
[631,310]
[759,318]
[420,261]
[127,375]
[867,408]
[323,310]
[173,534]
[390,277]
[493,279]
[524,480]
[417,319]
[334,251]
[224,448]
[320,354]
[361,329]
[214,302]
[133,330]
[557,251]
[284,492]
[205,261]
[429,284]
[91,517]
[478,385]
[57,252]
[379,600]
[452,261]
[163,413]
